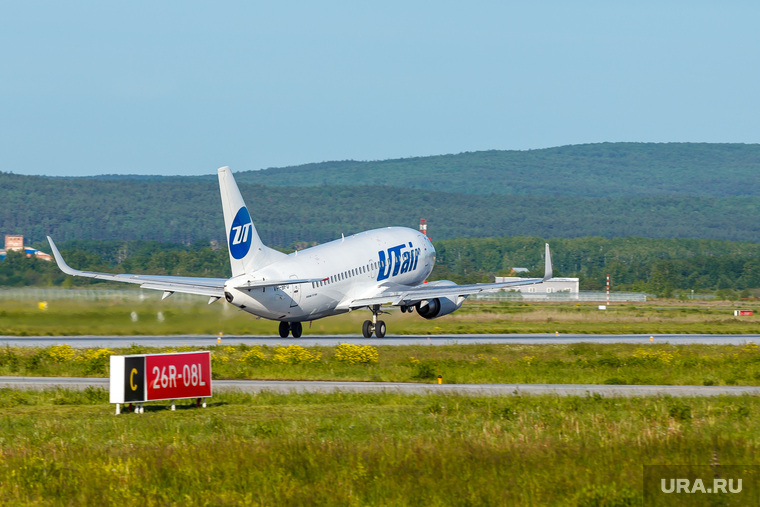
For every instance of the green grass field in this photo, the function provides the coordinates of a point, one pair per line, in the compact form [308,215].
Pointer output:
[60,447]
[183,316]
[67,448]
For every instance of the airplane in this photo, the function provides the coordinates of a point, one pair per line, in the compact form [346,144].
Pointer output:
[368,270]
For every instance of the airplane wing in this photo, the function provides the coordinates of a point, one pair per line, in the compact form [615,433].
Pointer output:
[212,287]
[403,295]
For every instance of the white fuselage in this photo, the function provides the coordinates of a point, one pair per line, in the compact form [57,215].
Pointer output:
[350,268]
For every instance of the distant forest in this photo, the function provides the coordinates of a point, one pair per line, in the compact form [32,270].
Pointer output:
[590,170]
[665,267]
[610,190]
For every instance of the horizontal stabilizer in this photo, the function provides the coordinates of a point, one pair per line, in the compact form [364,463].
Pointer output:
[275,283]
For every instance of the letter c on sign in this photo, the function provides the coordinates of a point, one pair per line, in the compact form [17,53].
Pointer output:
[131,379]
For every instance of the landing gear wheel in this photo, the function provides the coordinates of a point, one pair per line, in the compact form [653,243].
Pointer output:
[284,329]
[374,326]
[380,329]
[367,329]
[296,329]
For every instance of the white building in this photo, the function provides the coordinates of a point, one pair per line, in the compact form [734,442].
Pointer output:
[552,286]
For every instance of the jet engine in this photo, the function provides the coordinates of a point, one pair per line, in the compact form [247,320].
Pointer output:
[438,307]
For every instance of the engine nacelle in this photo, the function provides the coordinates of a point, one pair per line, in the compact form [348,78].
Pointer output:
[438,307]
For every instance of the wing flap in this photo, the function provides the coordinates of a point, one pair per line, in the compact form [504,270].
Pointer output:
[411,295]
[420,293]
[201,290]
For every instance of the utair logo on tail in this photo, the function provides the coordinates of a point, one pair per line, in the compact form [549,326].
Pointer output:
[398,262]
[240,234]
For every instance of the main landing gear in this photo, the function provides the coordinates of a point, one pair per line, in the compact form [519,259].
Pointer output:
[287,328]
[374,326]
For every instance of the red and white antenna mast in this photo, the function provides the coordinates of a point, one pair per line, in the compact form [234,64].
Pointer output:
[423,226]
[608,289]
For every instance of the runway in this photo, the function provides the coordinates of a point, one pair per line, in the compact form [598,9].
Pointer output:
[294,386]
[331,341]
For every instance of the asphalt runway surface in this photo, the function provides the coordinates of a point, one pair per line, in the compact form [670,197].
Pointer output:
[295,386]
[331,341]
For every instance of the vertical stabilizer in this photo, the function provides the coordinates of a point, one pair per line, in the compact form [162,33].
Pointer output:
[247,252]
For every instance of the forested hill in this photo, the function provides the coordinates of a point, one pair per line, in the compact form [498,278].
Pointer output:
[590,170]
[719,200]
[186,211]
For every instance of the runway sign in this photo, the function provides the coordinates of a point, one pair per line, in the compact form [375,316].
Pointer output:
[151,377]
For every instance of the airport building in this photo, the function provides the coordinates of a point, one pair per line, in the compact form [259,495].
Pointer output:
[15,243]
[556,289]
[553,286]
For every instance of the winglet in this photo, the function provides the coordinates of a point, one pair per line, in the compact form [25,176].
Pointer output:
[59,259]
[548,264]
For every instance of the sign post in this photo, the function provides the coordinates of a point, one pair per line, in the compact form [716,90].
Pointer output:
[152,377]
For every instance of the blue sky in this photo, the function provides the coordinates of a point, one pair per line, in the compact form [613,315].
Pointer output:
[184,87]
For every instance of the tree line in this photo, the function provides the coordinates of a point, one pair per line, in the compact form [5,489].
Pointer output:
[664,267]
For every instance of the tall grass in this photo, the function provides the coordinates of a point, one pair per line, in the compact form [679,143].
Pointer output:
[66,447]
